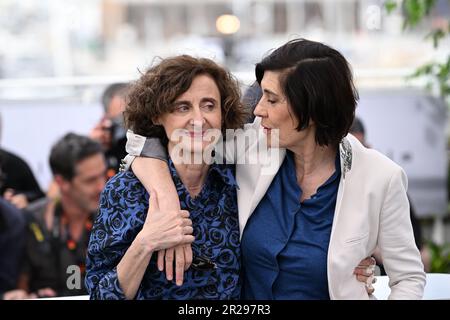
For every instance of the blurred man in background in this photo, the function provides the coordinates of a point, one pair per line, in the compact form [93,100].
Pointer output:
[110,131]
[59,229]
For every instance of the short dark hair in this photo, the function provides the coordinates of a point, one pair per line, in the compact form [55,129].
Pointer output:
[69,151]
[115,89]
[156,91]
[318,84]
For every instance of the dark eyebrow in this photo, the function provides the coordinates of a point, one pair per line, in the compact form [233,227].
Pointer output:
[209,99]
[270,92]
[177,103]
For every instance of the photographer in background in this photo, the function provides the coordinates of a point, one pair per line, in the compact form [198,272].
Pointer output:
[110,130]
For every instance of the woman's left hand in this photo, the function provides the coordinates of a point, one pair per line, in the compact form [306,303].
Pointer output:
[365,272]
[183,260]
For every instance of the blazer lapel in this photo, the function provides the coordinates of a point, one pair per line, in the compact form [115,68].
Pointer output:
[252,190]
[346,159]
[262,185]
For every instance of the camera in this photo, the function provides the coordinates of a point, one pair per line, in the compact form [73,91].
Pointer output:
[117,130]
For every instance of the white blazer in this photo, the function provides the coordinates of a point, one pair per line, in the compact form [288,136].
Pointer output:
[372,209]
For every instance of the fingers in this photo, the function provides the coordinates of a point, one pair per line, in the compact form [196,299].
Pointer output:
[187,256]
[366,267]
[187,230]
[188,239]
[46,292]
[362,278]
[370,290]
[367,261]
[183,260]
[17,294]
[184,214]
[364,271]
[169,264]
[186,222]
[179,265]
[368,281]
[160,260]
[154,205]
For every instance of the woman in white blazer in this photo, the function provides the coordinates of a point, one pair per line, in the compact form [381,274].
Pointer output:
[308,95]
[329,201]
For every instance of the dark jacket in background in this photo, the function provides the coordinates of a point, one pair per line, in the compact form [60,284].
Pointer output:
[16,174]
[12,244]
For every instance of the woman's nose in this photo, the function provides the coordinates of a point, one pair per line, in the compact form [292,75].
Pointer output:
[259,110]
[197,118]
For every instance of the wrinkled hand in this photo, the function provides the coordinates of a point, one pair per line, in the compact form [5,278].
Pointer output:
[163,230]
[365,273]
[183,260]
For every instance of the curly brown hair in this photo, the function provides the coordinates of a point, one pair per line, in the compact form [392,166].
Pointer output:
[158,88]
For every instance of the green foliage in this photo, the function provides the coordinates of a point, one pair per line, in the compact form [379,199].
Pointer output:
[416,10]
[390,5]
[440,258]
[438,73]
[438,76]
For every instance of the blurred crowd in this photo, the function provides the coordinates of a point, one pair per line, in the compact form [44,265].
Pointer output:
[44,235]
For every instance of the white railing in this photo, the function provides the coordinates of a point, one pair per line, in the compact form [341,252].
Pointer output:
[437,288]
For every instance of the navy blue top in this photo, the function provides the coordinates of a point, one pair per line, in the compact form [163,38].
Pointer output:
[123,209]
[12,243]
[285,242]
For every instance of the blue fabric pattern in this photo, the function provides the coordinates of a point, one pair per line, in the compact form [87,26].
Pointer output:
[291,262]
[122,212]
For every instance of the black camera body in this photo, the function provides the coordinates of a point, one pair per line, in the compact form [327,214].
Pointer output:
[117,129]
[116,151]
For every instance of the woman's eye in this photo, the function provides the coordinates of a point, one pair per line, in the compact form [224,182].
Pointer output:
[271,101]
[182,108]
[209,106]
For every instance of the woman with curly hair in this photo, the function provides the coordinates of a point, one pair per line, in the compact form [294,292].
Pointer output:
[181,97]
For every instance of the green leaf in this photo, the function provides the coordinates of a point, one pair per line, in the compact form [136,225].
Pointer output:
[436,35]
[440,257]
[390,6]
[416,10]
[424,70]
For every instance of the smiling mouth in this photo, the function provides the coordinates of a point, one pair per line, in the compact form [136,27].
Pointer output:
[193,134]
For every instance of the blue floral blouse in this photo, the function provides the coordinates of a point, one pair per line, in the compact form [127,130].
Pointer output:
[122,212]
